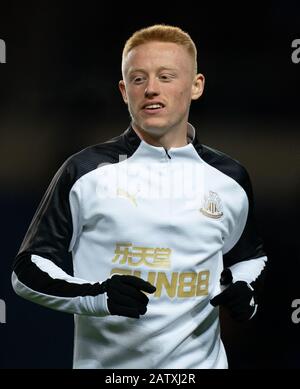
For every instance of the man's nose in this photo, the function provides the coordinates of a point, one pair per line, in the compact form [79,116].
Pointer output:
[152,88]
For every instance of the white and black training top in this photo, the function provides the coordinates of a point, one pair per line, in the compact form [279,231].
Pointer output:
[174,217]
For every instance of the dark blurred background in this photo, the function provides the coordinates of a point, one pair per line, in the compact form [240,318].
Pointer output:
[59,94]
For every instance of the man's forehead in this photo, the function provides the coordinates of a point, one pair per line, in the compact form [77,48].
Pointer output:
[156,48]
[162,54]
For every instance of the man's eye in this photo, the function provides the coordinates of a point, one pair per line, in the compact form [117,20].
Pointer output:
[138,80]
[165,77]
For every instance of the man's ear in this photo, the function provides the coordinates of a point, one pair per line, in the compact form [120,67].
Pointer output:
[198,86]
[123,90]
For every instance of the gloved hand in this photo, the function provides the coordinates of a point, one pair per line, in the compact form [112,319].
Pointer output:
[238,297]
[124,296]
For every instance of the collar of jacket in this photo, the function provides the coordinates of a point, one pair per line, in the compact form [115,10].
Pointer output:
[133,140]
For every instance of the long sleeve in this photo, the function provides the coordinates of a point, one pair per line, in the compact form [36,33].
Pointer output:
[247,259]
[38,270]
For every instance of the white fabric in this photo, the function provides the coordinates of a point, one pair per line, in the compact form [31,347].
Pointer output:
[151,201]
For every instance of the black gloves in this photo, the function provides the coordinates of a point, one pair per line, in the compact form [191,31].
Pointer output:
[124,296]
[238,297]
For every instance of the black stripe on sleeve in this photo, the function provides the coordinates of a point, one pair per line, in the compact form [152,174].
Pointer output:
[30,275]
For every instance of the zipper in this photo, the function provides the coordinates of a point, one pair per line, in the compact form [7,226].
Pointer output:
[167,153]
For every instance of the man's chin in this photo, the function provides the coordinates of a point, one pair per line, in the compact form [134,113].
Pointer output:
[153,128]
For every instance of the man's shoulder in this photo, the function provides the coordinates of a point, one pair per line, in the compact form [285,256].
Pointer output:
[225,164]
[108,150]
[93,156]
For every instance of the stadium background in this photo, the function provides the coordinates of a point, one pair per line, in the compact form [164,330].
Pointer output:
[58,94]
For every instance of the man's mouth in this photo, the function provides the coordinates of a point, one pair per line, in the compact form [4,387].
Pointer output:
[153,106]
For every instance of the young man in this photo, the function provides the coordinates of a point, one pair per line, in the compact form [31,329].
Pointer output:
[153,212]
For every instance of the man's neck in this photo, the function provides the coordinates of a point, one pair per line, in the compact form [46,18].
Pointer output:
[168,140]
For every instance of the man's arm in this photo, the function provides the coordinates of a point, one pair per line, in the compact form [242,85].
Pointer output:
[37,271]
[246,262]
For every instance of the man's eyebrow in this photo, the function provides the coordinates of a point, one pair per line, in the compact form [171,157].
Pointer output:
[141,70]
[133,70]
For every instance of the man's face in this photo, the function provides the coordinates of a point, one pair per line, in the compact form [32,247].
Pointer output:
[158,85]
